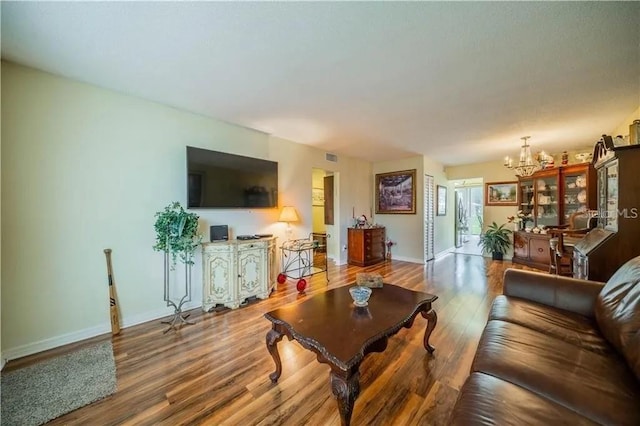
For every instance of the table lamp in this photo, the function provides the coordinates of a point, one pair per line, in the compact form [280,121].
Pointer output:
[288,214]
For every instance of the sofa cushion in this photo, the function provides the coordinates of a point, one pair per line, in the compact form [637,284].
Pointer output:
[565,325]
[487,400]
[597,386]
[617,311]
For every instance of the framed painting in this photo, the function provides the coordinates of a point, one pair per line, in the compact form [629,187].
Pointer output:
[317,196]
[501,193]
[441,200]
[396,192]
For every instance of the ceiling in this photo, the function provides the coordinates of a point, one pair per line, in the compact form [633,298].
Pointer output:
[460,82]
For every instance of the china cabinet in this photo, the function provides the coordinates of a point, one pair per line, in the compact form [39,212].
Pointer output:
[236,270]
[615,240]
[551,196]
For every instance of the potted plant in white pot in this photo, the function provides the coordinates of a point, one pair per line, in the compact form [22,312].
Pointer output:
[177,237]
[495,240]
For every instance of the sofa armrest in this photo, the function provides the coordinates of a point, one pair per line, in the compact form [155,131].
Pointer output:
[556,291]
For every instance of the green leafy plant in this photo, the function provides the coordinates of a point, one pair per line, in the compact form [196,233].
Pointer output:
[495,240]
[176,233]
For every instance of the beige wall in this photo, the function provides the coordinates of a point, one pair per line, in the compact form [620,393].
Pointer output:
[408,230]
[84,169]
[403,229]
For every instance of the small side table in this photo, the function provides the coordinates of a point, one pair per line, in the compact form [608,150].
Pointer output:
[303,258]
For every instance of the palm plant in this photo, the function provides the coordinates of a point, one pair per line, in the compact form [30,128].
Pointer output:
[495,240]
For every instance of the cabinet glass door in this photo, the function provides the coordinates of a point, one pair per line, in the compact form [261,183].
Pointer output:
[526,196]
[575,194]
[611,218]
[546,206]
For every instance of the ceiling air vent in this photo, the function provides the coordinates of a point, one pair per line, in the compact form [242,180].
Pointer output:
[331,157]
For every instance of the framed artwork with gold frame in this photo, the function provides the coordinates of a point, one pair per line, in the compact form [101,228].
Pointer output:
[501,193]
[395,192]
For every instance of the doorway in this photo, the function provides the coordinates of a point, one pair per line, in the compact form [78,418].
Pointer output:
[468,215]
[323,210]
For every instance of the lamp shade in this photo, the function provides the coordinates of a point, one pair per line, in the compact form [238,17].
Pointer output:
[288,214]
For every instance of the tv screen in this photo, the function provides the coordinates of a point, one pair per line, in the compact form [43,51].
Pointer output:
[220,180]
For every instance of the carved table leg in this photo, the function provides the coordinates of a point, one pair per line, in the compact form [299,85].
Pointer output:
[346,390]
[432,320]
[273,337]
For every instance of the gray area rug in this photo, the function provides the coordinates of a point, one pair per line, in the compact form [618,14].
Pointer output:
[41,392]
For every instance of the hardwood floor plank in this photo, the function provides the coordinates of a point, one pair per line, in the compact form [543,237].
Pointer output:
[216,371]
[436,407]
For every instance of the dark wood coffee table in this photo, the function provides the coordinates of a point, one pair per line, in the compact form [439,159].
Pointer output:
[341,334]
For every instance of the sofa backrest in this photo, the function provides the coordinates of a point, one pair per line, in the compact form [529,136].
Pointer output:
[617,312]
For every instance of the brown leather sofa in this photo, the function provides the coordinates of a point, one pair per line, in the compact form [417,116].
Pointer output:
[557,350]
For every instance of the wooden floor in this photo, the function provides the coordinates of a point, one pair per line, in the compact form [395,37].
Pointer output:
[216,371]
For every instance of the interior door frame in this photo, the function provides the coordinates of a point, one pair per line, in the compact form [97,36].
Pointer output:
[429,217]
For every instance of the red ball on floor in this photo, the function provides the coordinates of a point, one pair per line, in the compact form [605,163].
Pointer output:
[302,284]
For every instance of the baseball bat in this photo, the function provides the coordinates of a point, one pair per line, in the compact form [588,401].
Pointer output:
[113,304]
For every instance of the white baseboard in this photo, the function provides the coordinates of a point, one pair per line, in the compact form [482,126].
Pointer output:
[337,261]
[407,259]
[158,313]
[54,342]
[444,252]
[87,333]
[2,363]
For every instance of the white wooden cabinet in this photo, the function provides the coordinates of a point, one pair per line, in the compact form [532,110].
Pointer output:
[236,270]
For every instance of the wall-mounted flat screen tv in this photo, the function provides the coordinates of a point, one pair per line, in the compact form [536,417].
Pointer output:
[221,180]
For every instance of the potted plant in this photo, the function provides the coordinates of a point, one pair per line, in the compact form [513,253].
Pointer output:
[176,233]
[495,240]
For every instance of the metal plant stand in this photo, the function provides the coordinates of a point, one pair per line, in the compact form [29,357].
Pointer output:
[178,316]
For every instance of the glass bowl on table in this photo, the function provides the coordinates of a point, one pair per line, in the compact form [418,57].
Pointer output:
[360,295]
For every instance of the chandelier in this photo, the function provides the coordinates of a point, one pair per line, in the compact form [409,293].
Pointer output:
[526,165]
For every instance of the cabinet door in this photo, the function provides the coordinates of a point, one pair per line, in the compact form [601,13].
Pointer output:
[520,246]
[252,272]
[546,201]
[602,197]
[576,193]
[526,196]
[539,250]
[611,218]
[272,265]
[219,276]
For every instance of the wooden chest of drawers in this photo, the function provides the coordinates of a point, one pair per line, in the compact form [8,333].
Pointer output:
[366,246]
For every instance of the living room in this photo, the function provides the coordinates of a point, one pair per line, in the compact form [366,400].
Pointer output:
[86,165]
